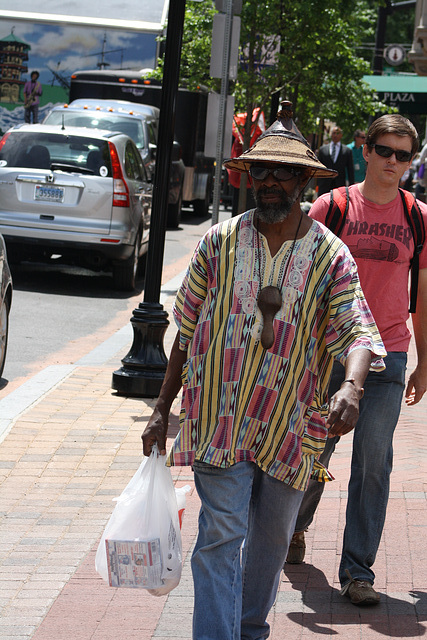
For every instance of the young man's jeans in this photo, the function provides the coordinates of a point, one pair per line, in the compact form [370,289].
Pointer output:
[235,589]
[371,466]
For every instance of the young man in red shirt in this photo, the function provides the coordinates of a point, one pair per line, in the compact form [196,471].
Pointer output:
[381,242]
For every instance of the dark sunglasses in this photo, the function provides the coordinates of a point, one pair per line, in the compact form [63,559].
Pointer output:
[280,173]
[386,152]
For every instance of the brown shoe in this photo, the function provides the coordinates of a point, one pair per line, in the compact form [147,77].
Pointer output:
[360,592]
[296,551]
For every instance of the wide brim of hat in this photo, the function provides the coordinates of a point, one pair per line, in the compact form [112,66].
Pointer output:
[281,150]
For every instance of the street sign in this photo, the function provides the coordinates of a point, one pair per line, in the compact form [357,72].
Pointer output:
[213,115]
[218,45]
[221,5]
[405,101]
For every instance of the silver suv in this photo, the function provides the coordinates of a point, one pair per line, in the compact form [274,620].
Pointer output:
[140,122]
[75,195]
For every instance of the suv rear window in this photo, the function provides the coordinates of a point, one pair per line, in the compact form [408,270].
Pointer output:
[52,151]
[132,127]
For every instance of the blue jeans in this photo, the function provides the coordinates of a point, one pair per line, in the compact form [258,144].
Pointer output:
[371,466]
[33,109]
[235,588]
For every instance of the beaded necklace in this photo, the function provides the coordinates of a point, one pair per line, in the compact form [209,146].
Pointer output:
[270,298]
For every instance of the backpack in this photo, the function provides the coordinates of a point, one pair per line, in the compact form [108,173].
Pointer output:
[337,212]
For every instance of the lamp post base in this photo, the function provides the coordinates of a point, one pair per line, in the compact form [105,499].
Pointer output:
[144,367]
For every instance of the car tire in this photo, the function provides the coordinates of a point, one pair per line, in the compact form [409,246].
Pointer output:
[14,254]
[174,213]
[124,273]
[4,333]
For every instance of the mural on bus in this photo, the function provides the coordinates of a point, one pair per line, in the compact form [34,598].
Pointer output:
[56,52]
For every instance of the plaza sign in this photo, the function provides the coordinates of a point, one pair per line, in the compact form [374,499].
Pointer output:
[406,92]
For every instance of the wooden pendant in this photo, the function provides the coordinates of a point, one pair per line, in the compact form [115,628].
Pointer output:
[269,303]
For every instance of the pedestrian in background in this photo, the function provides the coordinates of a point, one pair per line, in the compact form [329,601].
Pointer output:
[235,178]
[356,147]
[421,183]
[338,157]
[378,235]
[32,93]
[269,299]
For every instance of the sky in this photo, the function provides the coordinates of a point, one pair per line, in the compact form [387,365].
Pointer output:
[69,49]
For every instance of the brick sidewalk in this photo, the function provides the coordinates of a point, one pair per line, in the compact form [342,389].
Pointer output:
[71,453]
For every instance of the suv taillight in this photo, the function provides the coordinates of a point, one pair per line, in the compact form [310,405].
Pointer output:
[120,188]
[3,140]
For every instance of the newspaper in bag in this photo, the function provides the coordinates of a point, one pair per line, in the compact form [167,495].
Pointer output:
[141,546]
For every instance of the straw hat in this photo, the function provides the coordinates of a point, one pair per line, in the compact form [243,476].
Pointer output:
[282,143]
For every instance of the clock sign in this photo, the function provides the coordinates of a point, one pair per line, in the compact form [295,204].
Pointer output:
[395,54]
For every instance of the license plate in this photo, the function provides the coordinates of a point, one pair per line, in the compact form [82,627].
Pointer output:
[49,194]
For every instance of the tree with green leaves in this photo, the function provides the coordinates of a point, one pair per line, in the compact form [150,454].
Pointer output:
[306,52]
[196,47]
[315,61]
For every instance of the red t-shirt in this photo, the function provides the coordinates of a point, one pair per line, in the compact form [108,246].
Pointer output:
[381,242]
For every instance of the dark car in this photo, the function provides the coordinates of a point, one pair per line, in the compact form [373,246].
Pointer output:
[5,302]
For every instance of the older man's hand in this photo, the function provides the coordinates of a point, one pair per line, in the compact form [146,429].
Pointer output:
[343,411]
[155,433]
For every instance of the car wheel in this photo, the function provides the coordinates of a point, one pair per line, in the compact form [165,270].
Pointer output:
[174,213]
[4,332]
[124,273]
[14,254]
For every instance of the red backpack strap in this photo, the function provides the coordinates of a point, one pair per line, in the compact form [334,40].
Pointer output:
[416,224]
[338,208]
[415,219]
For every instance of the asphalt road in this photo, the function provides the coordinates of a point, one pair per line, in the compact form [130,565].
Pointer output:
[61,313]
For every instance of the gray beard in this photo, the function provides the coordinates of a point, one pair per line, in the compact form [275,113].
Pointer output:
[271,214]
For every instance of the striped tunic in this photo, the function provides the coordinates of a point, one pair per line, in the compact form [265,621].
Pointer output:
[241,402]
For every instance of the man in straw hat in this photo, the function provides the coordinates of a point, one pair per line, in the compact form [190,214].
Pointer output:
[269,300]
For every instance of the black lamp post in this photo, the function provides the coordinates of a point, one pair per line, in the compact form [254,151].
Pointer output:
[144,366]
[383,13]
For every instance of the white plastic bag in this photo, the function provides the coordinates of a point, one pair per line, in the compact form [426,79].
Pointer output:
[143,534]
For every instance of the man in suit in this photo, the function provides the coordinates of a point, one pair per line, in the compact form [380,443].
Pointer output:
[339,157]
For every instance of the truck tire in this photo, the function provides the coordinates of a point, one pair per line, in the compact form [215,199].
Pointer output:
[201,207]
[174,213]
[125,272]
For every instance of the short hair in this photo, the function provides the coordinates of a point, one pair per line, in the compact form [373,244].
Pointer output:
[392,123]
[358,133]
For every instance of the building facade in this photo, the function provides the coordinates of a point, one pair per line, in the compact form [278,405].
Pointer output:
[13,57]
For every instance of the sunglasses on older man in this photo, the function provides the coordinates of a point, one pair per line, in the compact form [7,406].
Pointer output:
[260,172]
[386,152]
